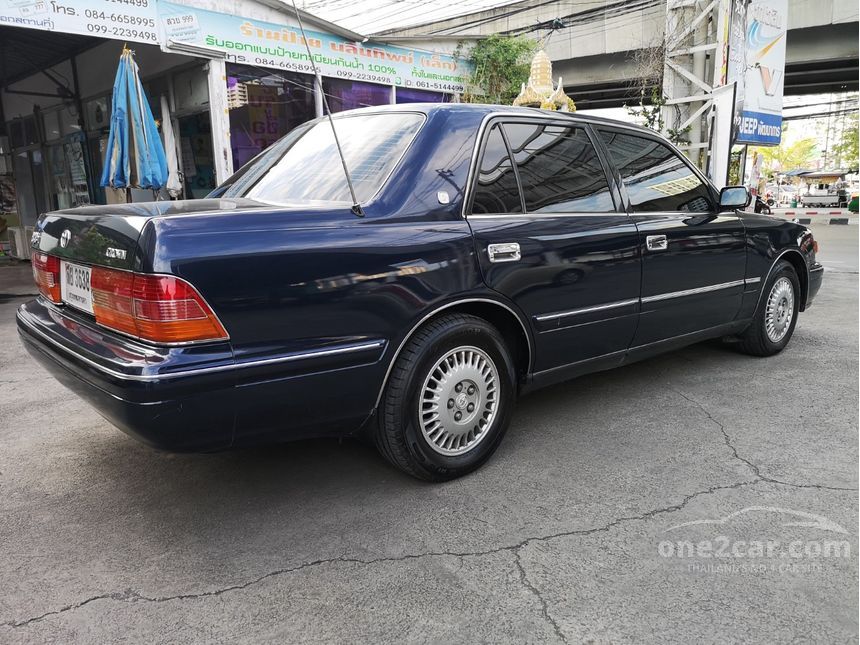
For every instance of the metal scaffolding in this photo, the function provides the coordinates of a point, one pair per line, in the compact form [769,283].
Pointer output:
[694,45]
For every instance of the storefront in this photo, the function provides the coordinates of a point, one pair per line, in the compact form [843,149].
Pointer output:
[55,122]
[232,77]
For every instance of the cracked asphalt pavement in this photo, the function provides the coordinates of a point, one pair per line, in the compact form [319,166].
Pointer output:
[700,496]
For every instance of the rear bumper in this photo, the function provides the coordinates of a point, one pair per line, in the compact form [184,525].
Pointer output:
[148,393]
[199,397]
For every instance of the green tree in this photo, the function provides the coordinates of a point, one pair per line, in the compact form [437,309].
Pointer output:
[651,116]
[846,151]
[500,66]
[786,157]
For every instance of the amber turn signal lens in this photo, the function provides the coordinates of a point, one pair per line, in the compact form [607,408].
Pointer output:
[112,299]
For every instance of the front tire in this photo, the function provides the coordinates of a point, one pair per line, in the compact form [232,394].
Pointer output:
[776,316]
[449,399]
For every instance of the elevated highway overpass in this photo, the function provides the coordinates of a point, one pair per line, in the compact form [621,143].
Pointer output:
[598,47]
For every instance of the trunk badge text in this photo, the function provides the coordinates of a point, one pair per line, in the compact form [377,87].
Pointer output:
[65,237]
[118,254]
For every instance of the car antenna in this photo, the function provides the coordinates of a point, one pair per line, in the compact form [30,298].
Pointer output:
[356,207]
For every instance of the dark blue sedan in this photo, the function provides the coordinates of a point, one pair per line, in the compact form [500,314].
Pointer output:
[494,250]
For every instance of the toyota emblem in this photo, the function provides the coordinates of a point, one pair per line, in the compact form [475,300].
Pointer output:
[65,237]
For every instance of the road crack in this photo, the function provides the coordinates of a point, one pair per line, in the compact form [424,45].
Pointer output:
[524,579]
[130,595]
[757,477]
[753,467]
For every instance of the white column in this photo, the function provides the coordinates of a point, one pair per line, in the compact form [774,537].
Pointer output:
[393,94]
[699,60]
[721,135]
[220,117]
[318,97]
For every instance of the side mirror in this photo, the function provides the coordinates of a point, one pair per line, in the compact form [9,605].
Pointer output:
[734,197]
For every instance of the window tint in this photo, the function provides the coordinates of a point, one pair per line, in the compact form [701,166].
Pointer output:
[656,178]
[496,190]
[559,169]
[304,165]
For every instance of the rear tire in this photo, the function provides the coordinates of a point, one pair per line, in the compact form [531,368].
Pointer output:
[776,316]
[449,399]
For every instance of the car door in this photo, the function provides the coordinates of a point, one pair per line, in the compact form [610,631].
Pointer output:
[549,237]
[693,256]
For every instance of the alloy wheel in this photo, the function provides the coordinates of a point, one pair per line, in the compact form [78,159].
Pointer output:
[459,401]
[779,311]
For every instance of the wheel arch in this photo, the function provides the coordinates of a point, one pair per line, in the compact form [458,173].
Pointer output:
[798,262]
[502,316]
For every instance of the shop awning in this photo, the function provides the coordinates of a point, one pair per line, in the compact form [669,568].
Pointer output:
[822,174]
[25,52]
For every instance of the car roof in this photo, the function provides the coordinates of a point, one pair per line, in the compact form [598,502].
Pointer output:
[481,110]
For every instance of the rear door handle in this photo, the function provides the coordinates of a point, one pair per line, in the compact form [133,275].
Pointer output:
[504,252]
[656,243]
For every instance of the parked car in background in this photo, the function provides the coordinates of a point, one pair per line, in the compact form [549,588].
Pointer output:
[496,250]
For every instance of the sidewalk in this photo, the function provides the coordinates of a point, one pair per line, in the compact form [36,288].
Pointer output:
[16,279]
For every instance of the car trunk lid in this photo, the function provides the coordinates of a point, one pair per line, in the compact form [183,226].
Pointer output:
[108,235]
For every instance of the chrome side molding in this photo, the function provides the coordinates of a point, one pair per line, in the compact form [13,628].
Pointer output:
[693,292]
[587,310]
[654,298]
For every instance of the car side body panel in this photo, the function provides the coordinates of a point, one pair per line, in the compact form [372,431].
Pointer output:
[769,239]
[292,281]
[698,281]
[577,281]
[318,303]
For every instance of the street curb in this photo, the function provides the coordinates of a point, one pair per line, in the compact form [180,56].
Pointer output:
[809,212]
[833,221]
[840,217]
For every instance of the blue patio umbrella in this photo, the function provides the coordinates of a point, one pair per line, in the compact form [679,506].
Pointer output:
[135,156]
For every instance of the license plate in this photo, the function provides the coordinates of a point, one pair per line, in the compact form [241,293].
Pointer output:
[75,286]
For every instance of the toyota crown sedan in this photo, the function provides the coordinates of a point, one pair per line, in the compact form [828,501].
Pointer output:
[493,250]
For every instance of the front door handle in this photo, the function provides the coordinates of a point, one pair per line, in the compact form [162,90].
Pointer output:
[656,243]
[504,252]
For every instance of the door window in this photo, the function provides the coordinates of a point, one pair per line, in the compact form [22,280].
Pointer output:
[496,189]
[655,176]
[559,169]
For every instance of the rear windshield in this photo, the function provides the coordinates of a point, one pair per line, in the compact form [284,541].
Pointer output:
[305,166]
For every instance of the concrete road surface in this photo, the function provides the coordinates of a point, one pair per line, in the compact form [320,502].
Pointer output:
[700,496]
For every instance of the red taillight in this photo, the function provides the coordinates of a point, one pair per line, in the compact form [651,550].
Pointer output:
[46,273]
[160,308]
[168,309]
